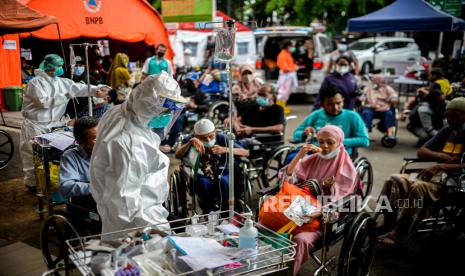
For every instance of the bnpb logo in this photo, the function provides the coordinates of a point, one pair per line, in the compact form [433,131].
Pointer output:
[92,5]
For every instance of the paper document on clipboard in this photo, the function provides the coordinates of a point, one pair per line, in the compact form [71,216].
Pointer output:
[193,159]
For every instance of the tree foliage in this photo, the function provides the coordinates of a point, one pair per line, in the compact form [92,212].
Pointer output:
[302,12]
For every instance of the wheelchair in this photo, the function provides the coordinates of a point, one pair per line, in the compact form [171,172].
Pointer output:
[278,158]
[6,149]
[77,217]
[446,214]
[356,229]
[182,199]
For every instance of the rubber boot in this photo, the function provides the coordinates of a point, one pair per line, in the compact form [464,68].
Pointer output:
[283,105]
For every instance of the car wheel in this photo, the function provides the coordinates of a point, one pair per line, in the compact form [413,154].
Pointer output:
[367,68]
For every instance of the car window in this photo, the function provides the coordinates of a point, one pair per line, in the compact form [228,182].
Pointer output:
[242,48]
[398,44]
[326,45]
[361,45]
[192,46]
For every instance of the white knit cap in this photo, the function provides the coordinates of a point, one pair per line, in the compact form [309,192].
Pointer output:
[204,126]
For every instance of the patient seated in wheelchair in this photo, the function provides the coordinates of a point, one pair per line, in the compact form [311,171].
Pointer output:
[379,100]
[333,170]
[75,162]
[212,181]
[264,117]
[412,196]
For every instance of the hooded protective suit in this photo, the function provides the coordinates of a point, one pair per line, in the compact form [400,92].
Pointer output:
[44,103]
[128,171]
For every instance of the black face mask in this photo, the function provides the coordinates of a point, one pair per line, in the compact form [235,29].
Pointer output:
[160,54]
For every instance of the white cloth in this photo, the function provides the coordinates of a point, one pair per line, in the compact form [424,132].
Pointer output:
[287,82]
[129,174]
[44,104]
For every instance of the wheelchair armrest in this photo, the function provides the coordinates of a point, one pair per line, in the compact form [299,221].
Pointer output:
[267,135]
[268,190]
[243,159]
[294,142]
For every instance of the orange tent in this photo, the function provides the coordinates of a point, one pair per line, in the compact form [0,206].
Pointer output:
[125,20]
[15,18]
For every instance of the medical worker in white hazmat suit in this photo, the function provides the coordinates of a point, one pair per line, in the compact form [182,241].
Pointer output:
[44,104]
[129,174]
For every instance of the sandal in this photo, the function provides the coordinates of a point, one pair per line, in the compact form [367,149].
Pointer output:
[389,240]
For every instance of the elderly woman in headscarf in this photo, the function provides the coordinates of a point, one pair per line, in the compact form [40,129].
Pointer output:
[119,76]
[246,89]
[331,166]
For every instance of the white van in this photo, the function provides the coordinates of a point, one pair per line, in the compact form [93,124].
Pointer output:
[269,43]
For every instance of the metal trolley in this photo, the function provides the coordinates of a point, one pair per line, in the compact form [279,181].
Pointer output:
[275,254]
[47,165]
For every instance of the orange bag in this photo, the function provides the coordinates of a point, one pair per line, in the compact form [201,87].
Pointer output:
[272,210]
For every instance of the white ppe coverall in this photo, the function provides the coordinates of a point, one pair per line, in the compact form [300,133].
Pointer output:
[44,103]
[129,174]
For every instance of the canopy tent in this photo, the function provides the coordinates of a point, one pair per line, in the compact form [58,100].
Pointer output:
[407,16]
[124,20]
[15,18]
[186,35]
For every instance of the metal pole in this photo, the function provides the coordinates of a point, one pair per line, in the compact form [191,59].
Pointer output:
[89,97]
[374,54]
[229,8]
[463,45]
[438,52]
[231,136]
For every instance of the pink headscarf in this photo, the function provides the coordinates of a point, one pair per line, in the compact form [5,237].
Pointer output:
[341,166]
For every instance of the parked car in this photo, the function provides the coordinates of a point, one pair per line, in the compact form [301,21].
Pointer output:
[371,51]
[271,39]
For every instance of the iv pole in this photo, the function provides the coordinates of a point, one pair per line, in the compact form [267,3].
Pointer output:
[86,51]
[231,136]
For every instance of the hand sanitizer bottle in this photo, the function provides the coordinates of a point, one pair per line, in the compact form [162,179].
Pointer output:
[248,236]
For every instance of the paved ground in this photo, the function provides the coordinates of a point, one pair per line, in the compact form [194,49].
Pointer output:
[432,255]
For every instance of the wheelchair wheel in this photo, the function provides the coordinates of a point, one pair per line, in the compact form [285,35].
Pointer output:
[275,161]
[54,233]
[388,143]
[218,112]
[177,199]
[365,173]
[358,247]
[6,149]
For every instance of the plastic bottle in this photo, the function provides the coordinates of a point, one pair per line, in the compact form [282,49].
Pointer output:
[248,235]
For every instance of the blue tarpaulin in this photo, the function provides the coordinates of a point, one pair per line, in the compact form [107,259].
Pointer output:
[406,16]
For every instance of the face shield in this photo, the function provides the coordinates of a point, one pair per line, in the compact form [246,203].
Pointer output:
[161,124]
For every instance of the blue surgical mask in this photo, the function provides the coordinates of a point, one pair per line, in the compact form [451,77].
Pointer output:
[342,47]
[262,101]
[58,72]
[330,155]
[209,144]
[78,71]
[160,121]
[292,49]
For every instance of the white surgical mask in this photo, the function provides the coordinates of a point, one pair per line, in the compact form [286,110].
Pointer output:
[330,155]
[342,69]
[209,144]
